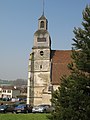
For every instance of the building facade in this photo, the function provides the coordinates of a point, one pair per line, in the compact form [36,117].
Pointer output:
[9,92]
[46,66]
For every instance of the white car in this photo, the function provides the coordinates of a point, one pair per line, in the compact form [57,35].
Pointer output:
[40,108]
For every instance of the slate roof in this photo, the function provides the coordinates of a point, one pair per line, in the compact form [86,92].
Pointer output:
[42,18]
[60,60]
[9,88]
[39,32]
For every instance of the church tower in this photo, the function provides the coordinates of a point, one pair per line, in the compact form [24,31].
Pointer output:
[38,88]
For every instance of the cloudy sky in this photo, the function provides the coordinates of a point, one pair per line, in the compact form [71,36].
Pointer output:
[19,21]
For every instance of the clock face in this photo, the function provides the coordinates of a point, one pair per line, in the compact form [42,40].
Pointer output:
[41,39]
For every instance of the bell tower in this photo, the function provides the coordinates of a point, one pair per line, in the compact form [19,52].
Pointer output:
[39,66]
[41,36]
[43,23]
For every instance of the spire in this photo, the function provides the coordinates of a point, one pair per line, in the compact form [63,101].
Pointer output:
[43,7]
[42,21]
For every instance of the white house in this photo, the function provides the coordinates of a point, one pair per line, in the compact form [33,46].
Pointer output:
[9,92]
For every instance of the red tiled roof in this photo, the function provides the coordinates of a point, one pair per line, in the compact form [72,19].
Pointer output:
[60,60]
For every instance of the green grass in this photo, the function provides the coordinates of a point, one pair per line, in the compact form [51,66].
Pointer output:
[24,116]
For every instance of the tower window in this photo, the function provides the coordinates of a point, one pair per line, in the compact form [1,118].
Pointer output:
[42,24]
[41,53]
[40,66]
[50,88]
[41,39]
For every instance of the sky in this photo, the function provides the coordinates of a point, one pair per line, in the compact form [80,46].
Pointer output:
[18,23]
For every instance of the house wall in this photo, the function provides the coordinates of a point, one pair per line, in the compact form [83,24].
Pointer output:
[15,93]
[6,93]
[9,93]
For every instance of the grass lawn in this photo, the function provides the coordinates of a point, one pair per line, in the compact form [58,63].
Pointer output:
[24,116]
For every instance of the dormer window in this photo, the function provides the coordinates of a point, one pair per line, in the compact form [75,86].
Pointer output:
[42,24]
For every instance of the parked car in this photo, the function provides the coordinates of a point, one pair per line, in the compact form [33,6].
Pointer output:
[23,108]
[10,108]
[3,108]
[41,108]
[6,108]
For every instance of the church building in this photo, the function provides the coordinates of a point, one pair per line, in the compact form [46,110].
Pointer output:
[46,66]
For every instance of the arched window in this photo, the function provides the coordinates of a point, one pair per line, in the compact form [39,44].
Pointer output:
[42,24]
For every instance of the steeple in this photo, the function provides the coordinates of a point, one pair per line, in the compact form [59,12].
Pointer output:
[41,36]
[43,7]
[42,21]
